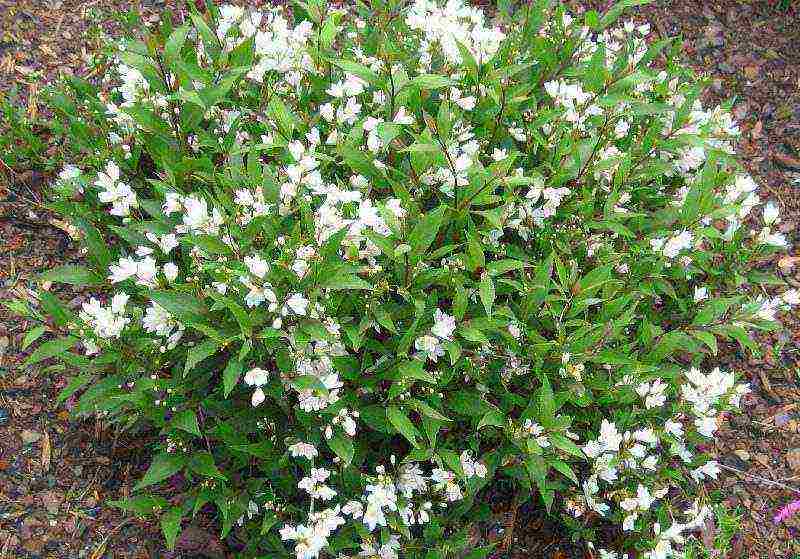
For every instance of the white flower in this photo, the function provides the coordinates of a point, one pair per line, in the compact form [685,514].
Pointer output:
[314,484]
[791,297]
[411,480]
[610,438]
[621,129]
[380,495]
[257,265]
[309,541]
[172,203]
[767,237]
[771,213]
[700,293]
[708,470]
[107,322]
[170,271]
[256,377]
[158,320]
[499,154]
[124,269]
[394,206]
[298,304]
[353,508]
[430,347]
[304,450]
[471,467]
[444,325]
[706,425]
[115,192]
[69,172]
[673,428]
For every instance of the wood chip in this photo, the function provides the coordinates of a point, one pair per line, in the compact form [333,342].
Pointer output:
[47,450]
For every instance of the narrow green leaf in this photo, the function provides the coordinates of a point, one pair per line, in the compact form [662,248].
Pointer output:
[32,335]
[425,231]
[72,274]
[186,420]
[202,463]
[342,446]
[309,382]
[185,307]
[487,293]
[402,423]
[171,525]
[230,376]
[50,349]
[198,353]
[164,465]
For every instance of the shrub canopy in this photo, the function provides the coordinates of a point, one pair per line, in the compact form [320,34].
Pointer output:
[354,266]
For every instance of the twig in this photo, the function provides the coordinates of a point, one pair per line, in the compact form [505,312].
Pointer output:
[760,479]
[508,539]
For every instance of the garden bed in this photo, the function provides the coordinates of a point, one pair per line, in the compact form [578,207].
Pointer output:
[55,473]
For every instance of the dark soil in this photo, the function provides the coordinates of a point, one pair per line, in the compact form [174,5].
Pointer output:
[56,474]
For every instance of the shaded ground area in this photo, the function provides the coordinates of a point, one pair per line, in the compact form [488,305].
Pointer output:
[55,473]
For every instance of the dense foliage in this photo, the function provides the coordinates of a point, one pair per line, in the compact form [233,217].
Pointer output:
[354,267]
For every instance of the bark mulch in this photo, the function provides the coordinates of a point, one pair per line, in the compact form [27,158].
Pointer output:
[55,473]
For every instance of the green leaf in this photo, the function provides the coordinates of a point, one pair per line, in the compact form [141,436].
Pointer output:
[487,293]
[171,525]
[284,117]
[207,243]
[230,376]
[50,349]
[186,420]
[560,441]
[708,339]
[270,520]
[472,334]
[667,345]
[73,386]
[72,274]
[426,409]
[342,446]
[97,248]
[475,255]
[183,306]
[345,280]
[202,463]
[594,280]
[564,468]
[210,40]
[141,505]
[164,465]
[359,70]
[425,231]
[174,44]
[500,267]
[32,335]
[480,552]
[414,370]
[198,353]
[468,403]
[429,81]
[309,382]
[400,421]
[493,418]
[384,318]
[546,401]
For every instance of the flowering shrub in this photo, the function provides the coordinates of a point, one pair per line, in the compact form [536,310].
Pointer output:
[353,267]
